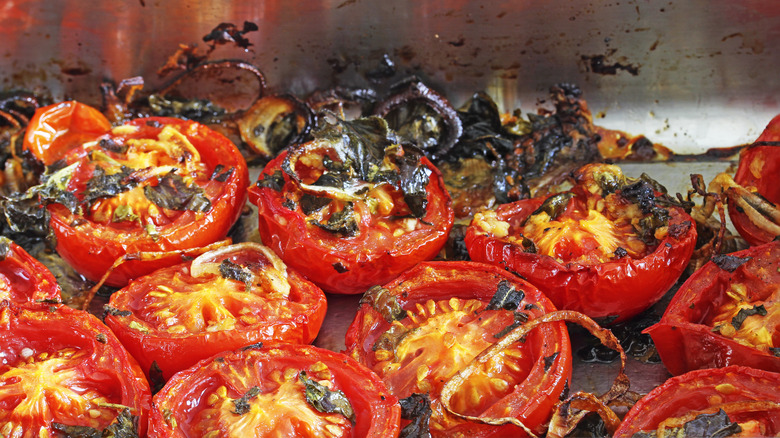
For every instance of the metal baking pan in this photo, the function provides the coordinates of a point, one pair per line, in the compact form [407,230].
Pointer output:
[690,75]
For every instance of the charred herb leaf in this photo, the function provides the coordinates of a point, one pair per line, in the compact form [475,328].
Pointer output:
[548,361]
[274,181]
[554,205]
[417,409]
[520,318]
[195,109]
[744,313]
[325,400]
[716,425]
[173,193]
[729,263]
[123,426]
[234,271]
[101,185]
[241,405]
[414,179]
[5,247]
[341,222]
[384,302]
[220,174]
[506,297]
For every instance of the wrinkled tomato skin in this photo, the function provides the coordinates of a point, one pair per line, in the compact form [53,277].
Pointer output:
[378,413]
[92,248]
[174,352]
[612,291]
[349,265]
[532,400]
[706,389]
[684,338]
[24,279]
[759,165]
[106,367]
[54,129]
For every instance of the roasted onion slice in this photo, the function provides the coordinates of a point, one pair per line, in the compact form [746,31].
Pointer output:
[423,116]
[275,122]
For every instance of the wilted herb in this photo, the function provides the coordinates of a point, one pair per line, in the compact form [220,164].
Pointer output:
[326,401]
[729,263]
[234,271]
[716,425]
[384,302]
[241,405]
[341,222]
[417,409]
[123,426]
[101,185]
[506,297]
[744,313]
[174,194]
[274,181]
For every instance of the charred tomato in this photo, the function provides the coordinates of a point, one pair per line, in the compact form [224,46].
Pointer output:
[23,278]
[424,327]
[610,247]
[62,370]
[732,401]
[224,299]
[726,313]
[759,164]
[153,185]
[276,390]
[352,208]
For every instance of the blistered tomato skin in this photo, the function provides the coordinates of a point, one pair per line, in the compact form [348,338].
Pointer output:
[265,392]
[442,319]
[153,185]
[589,258]
[63,368]
[726,313]
[23,278]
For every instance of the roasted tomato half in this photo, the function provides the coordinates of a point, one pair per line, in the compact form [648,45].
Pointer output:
[224,299]
[352,208]
[610,247]
[724,402]
[63,372]
[281,390]
[153,185]
[726,313]
[23,278]
[431,322]
[759,165]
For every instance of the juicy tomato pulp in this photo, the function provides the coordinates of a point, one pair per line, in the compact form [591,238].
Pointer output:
[62,368]
[444,325]
[23,278]
[262,392]
[152,185]
[383,240]
[240,295]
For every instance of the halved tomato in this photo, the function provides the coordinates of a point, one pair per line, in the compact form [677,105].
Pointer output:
[281,390]
[224,299]
[154,185]
[23,278]
[424,327]
[62,370]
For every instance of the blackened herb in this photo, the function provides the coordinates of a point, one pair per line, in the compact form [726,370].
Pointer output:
[236,272]
[112,146]
[775,351]
[220,174]
[326,401]
[417,409]
[744,313]
[554,205]
[174,194]
[123,426]
[729,263]
[113,311]
[620,252]
[384,302]
[341,222]
[340,268]
[254,346]
[274,181]
[102,185]
[548,361]
[241,405]
[313,203]
[506,297]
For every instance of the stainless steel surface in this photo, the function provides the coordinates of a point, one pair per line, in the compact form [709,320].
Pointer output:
[690,74]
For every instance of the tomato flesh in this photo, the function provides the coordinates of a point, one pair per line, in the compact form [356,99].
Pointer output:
[23,278]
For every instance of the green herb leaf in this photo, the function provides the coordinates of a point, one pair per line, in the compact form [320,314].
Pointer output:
[241,405]
[384,302]
[325,400]
[174,194]
[744,313]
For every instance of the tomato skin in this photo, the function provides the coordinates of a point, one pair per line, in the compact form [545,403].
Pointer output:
[530,400]
[92,247]
[377,411]
[759,164]
[24,279]
[684,336]
[614,290]
[348,265]
[55,129]
[706,389]
[172,352]
[106,368]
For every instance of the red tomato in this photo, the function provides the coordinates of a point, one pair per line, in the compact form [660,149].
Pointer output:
[152,185]
[750,398]
[726,313]
[225,299]
[428,324]
[62,367]
[386,239]
[23,278]
[55,129]
[585,248]
[260,392]
[759,165]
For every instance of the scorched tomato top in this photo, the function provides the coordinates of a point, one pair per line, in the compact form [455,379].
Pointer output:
[431,322]
[23,278]
[152,185]
[352,209]
[281,390]
[224,299]
[62,369]
[609,247]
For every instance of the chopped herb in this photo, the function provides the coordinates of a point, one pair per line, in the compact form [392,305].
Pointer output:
[341,222]
[729,263]
[241,405]
[174,194]
[102,185]
[234,271]
[326,401]
[506,297]
[124,213]
[274,181]
[620,252]
[384,302]
[113,311]
[554,205]
[219,175]
[123,426]
[417,409]
[744,313]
